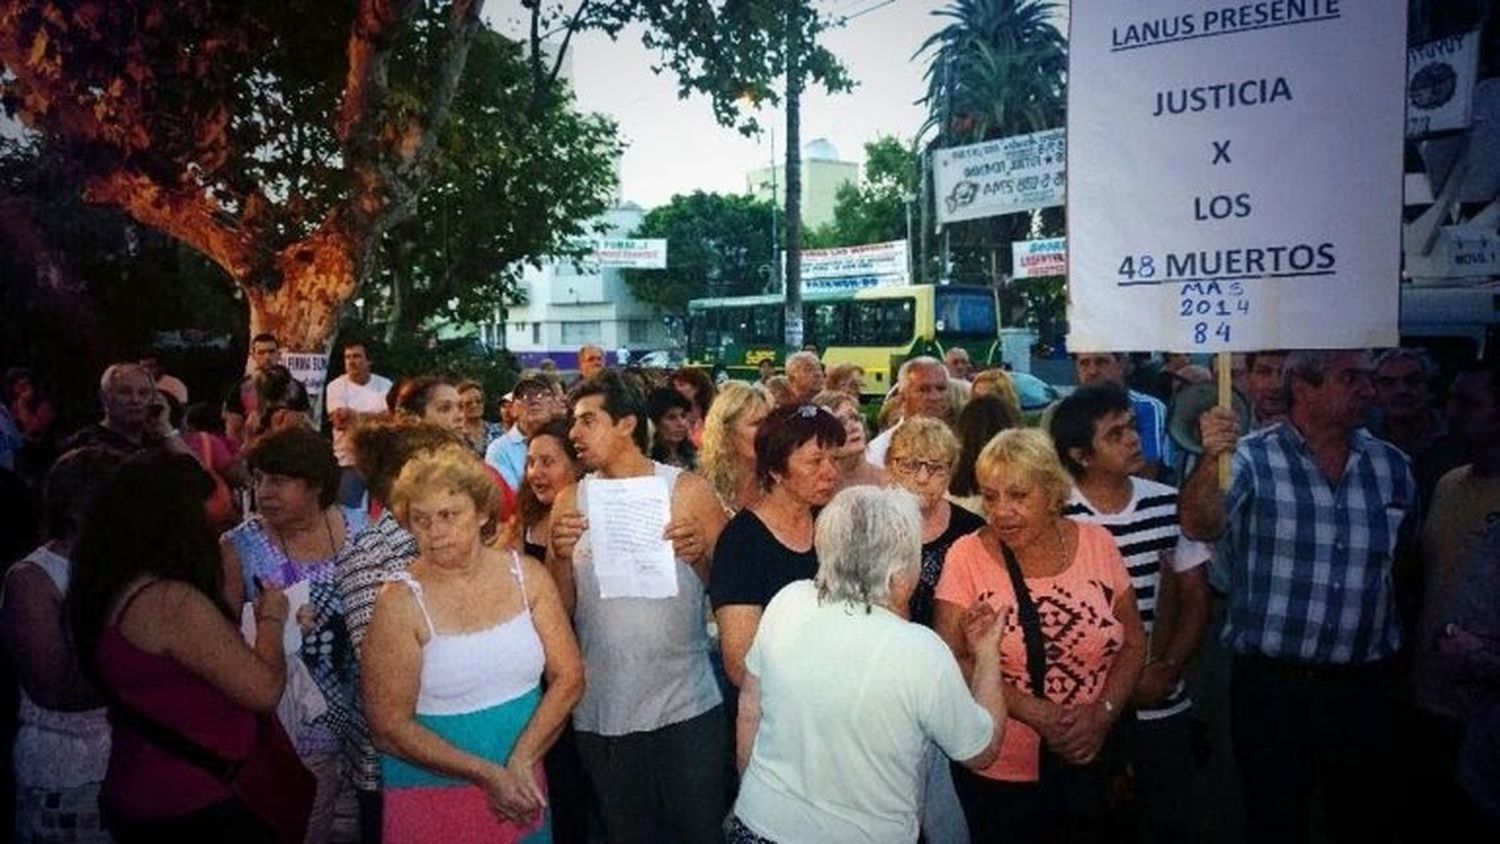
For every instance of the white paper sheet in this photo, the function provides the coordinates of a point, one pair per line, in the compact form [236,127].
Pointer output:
[626,520]
[297,595]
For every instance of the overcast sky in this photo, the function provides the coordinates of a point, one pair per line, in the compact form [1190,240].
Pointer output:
[674,146]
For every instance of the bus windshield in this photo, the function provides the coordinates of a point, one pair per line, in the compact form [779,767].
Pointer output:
[965,313]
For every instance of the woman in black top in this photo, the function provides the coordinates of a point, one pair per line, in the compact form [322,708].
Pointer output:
[671,419]
[551,466]
[770,543]
[920,460]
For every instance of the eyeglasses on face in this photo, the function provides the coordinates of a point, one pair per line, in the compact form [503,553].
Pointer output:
[915,467]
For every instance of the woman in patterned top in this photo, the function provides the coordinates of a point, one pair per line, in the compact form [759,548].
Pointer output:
[294,537]
[1084,640]
[380,551]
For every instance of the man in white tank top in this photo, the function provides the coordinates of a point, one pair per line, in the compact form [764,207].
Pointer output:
[652,731]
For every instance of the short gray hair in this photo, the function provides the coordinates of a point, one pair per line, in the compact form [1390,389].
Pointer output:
[1420,357]
[116,371]
[803,358]
[865,537]
[916,363]
[1309,365]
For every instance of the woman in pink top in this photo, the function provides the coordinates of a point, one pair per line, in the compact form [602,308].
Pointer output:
[1051,780]
[197,754]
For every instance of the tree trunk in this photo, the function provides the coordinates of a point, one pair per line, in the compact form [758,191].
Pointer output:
[317,276]
[794,72]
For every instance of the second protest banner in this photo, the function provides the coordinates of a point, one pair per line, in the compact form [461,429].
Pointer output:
[1235,174]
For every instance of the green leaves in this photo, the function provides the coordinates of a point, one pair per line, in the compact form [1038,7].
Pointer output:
[717,245]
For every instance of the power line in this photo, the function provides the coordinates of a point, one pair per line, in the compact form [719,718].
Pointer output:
[867,10]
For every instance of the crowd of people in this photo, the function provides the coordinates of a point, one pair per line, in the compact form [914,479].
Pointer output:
[389,617]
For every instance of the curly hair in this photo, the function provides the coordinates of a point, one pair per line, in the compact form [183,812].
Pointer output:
[716,460]
[452,468]
[382,447]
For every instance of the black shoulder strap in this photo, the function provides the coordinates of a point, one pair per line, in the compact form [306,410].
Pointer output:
[1031,623]
[222,768]
[165,738]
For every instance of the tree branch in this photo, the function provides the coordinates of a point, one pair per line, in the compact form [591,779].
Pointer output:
[366,84]
[189,215]
[543,91]
[389,163]
[463,22]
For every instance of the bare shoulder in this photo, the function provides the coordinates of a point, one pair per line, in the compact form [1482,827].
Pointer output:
[395,601]
[693,490]
[27,581]
[531,567]
[566,498]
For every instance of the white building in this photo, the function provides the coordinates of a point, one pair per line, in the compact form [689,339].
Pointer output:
[823,173]
[568,306]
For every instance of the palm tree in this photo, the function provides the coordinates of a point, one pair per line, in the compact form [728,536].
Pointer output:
[996,70]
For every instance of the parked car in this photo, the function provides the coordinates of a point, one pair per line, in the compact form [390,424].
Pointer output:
[1035,394]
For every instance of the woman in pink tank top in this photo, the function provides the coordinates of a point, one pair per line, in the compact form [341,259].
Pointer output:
[197,753]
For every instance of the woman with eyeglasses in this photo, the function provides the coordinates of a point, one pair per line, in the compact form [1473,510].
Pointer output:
[770,543]
[295,536]
[478,432]
[854,469]
[920,461]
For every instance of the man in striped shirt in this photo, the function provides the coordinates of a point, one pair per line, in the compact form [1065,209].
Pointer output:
[1098,441]
[1312,520]
[1150,413]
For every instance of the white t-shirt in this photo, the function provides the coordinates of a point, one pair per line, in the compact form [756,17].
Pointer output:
[849,701]
[368,397]
[876,449]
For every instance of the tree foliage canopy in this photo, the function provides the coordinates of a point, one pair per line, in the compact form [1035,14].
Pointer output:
[717,245]
[285,145]
[996,70]
[874,210]
[504,192]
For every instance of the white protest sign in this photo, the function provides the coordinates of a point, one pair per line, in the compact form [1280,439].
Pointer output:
[310,368]
[1440,79]
[1020,173]
[1236,174]
[627,253]
[1039,258]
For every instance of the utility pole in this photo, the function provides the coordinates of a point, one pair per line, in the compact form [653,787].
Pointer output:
[794,74]
[775,273]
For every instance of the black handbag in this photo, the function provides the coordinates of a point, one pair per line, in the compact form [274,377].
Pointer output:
[1088,789]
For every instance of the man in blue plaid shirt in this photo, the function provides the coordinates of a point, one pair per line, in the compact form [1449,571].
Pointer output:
[1311,521]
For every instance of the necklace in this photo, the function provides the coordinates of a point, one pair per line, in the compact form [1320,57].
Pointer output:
[286,553]
[1061,557]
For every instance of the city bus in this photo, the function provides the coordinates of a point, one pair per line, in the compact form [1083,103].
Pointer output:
[878,328]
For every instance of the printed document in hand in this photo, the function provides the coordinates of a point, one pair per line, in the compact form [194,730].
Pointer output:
[297,594]
[626,520]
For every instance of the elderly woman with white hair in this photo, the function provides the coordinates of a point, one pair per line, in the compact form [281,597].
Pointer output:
[843,695]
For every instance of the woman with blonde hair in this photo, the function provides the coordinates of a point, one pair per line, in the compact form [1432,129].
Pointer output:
[847,377]
[854,469]
[996,382]
[727,459]
[454,662]
[1069,672]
